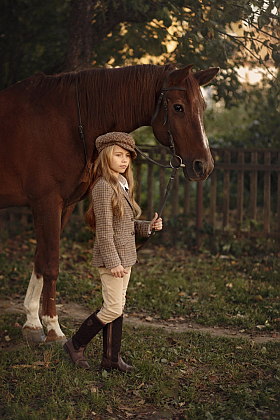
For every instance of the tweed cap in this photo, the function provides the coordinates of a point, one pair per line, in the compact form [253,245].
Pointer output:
[124,140]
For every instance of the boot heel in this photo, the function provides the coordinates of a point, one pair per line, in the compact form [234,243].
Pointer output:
[77,357]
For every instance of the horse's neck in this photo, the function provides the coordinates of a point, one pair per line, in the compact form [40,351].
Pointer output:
[128,107]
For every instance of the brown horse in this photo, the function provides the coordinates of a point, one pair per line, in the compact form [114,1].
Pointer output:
[42,162]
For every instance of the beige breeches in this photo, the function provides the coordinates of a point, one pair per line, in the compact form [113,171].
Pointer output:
[113,293]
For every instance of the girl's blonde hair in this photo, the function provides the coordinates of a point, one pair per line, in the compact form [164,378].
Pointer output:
[102,168]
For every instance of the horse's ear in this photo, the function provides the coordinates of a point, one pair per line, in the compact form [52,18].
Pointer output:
[177,76]
[205,76]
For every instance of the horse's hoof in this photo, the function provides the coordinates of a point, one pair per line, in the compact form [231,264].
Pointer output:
[33,335]
[53,338]
[60,341]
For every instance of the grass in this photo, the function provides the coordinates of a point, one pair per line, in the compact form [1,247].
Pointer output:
[180,375]
[224,289]
[209,289]
[188,375]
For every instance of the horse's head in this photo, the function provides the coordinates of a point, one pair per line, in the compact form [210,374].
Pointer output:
[181,114]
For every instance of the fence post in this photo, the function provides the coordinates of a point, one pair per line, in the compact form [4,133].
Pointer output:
[253,187]
[266,194]
[213,198]
[278,203]
[187,185]
[240,191]
[226,191]
[175,195]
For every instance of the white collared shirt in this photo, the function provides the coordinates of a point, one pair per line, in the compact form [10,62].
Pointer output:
[123,182]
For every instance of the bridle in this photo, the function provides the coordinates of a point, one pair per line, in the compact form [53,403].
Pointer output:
[176,161]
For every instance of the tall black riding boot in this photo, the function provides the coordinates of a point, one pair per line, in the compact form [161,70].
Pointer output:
[112,336]
[75,347]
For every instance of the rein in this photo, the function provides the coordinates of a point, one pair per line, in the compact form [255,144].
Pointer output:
[176,161]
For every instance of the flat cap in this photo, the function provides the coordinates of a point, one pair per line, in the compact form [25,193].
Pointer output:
[124,140]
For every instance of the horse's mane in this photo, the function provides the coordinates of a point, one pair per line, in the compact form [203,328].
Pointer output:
[125,92]
[109,91]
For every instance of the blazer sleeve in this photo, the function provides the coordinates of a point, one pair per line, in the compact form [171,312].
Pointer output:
[104,232]
[141,227]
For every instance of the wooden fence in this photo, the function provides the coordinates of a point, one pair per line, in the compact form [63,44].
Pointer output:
[242,194]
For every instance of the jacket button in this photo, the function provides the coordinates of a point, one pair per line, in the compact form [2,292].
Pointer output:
[132,219]
[132,233]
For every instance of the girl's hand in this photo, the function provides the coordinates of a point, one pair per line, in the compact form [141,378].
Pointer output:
[156,223]
[118,271]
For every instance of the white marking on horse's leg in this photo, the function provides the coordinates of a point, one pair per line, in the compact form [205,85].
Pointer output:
[53,328]
[32,302]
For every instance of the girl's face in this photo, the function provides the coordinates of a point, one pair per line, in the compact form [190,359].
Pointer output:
[120,160]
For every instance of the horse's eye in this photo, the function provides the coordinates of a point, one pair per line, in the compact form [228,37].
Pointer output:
[178,108]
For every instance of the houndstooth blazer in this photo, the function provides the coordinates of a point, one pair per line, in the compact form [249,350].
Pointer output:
[114,238]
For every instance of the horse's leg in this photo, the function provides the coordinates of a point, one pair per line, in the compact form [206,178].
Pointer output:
[32,329]
[49,315]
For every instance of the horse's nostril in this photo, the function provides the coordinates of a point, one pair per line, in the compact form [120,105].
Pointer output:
[198,167]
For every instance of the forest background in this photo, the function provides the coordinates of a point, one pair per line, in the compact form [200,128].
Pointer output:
[64,35]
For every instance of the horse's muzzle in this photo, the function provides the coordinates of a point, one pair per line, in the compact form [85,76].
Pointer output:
[198,170]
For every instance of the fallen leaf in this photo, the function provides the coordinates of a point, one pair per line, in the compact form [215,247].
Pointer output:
[109,409]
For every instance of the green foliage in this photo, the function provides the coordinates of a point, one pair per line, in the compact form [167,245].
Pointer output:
[253,123]
[263,107]
[218,33]
[33,36]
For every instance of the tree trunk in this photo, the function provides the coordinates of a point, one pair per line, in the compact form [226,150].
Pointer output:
[80,39]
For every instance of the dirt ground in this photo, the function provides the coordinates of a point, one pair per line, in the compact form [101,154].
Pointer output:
[78,313]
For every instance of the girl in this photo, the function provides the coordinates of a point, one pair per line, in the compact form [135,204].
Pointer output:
[113,214]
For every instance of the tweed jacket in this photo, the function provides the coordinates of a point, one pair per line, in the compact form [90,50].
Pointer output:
[114,237]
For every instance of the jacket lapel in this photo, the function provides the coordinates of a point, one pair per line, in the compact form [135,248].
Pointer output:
[127,197]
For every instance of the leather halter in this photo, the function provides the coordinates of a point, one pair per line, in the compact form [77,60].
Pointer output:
[162,97]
